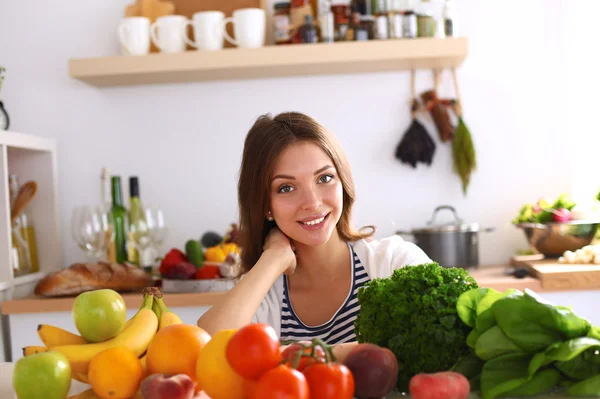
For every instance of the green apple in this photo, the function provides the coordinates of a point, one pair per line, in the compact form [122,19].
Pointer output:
[99,315]
[42,375]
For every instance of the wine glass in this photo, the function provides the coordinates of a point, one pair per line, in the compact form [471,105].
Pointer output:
[157,229]
[139,236]
[90,230]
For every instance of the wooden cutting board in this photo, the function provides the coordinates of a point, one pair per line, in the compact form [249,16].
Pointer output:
[560,276]
[150,9]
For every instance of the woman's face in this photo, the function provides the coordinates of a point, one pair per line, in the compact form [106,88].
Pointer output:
[306,194]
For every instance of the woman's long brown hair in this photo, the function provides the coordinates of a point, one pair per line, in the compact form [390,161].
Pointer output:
[267,138]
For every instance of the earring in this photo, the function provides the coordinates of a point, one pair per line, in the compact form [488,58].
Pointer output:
[270,217]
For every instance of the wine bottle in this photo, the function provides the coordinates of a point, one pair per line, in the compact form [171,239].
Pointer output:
[119,222]
[137,222]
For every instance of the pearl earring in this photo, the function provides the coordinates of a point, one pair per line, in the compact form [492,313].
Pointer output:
[270,217]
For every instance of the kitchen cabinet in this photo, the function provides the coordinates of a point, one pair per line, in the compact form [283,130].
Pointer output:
[30,158]
[271,61]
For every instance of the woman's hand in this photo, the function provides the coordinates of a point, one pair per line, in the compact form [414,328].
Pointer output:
[279,243]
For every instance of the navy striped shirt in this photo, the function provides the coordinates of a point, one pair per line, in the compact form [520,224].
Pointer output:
[341,326]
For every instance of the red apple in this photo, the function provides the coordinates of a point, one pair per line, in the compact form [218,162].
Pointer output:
[167,386]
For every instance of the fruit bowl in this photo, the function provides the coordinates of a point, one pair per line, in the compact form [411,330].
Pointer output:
[554,238]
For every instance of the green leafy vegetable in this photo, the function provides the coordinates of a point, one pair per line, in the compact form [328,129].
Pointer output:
[523,345]
[414,314]
[534,324]
[493,343]
[504,373]
[589,387]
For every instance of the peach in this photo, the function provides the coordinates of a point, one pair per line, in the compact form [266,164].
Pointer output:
[166,386]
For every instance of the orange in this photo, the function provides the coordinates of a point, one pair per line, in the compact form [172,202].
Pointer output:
[115,373]
[214,374]
[174,350]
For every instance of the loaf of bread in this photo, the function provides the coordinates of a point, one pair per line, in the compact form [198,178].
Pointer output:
[82,277]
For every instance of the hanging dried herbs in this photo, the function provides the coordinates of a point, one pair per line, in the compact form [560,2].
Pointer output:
[416,144]
[463,150]
[438,111]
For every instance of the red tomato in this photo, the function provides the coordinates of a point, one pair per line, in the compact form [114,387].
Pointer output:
[208,272]
[253,350]
[281,382]
[289,354]
[329,381]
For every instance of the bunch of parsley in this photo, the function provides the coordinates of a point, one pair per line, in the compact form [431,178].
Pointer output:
[413,313]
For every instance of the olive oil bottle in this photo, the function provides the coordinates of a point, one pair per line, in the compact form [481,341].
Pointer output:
[118,223]
[137,222]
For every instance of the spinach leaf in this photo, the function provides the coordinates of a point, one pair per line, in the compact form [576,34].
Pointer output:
[493,343]
[578,368]
[503,374]
[534,324]
[472,338]
[594,332]
[589,387]
[466,305]
[542,382]
[470,366]
[485,317]
[574,358]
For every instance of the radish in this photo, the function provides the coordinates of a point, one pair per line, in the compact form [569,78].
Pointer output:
[442,385]
[561,215]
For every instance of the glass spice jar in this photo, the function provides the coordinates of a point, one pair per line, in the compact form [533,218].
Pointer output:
[281,23]
[426,23]
[340,20]
[367,22]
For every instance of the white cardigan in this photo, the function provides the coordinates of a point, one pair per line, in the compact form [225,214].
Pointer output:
[379,258]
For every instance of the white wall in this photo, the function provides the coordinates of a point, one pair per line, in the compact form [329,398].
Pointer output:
[185,140]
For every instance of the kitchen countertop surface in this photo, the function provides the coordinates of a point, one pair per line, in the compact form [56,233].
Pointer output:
[486,276]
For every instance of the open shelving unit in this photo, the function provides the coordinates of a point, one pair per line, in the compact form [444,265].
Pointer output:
[30,158]
[271,62]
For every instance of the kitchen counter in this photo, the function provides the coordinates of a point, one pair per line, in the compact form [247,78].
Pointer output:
[486,276]
[490,276]
[22,316]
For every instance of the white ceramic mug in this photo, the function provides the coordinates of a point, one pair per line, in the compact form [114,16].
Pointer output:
[207,28]
[167,33]
[248,27]
[134,35]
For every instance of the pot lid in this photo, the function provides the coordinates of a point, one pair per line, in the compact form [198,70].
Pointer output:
[456,226]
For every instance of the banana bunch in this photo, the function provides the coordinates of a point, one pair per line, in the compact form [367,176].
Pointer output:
[136,335]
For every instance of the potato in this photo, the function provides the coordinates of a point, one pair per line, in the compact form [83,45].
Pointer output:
[442,385]
[375,370]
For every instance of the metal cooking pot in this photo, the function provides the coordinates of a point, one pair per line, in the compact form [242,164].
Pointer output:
[454,244]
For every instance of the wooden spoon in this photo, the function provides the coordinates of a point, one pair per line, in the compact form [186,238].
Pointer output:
[24,197]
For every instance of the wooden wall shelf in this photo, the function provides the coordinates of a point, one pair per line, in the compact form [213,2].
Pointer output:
[271,61]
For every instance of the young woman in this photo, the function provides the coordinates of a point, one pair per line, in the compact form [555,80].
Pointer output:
[303,262]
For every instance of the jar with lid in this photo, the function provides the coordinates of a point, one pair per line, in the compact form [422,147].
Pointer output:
[394,20]
[281,23]
[341,12]
[367,22]
[380,28]
[426,23]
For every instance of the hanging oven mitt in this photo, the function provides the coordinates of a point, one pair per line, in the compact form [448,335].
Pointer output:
[416,144]
[438,111]
[463,150]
